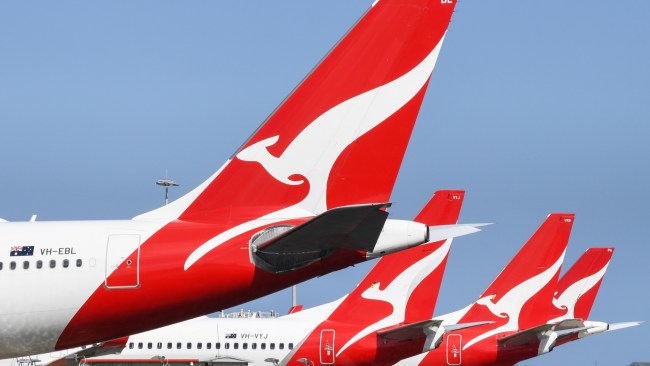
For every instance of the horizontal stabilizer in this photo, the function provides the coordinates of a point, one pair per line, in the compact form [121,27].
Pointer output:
[455,327]
[424,329]
[617,326]
[350,227]
[531,335]
[548,334]
[443,232]
[409,331]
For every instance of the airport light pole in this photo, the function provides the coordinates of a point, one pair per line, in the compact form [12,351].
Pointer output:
[166,183]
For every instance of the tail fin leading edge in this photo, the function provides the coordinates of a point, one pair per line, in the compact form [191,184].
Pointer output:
[339,138]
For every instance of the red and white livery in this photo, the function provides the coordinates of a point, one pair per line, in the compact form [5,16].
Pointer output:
[390,303]
[538,313]
[304,196]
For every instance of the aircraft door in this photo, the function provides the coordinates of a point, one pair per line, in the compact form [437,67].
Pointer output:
[454,349]
[327,347]
[123,261]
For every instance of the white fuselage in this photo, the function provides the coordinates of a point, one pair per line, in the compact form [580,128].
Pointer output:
[205,339]
[91,276]
[40,295]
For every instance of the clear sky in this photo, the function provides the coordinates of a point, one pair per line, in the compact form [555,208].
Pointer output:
[534,107]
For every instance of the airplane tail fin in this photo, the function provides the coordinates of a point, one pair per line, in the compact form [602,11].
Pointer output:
[443,209]
[389,293]
[523,291]
[398,276]
[339,138]
[577,289]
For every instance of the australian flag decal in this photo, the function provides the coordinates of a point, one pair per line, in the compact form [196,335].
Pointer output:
[19,251]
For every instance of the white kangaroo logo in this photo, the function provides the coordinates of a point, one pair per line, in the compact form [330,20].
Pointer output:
[314,151]
[398,292]
[510,305]
[568,299]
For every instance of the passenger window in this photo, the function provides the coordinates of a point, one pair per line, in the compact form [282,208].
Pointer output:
[199,345]
[254,345]
[226,345]
[66,263]
[131,345]
[272,346]
[169,345]
[79,263]
[189,345]
[139,345]
[52,263]
[39,264]
[12,265]
[159,345]
[263,345]
[217,345]
[244,346]
[236,345]
[0,266]
[281,346]
[149,345]
[290,345]
[25,265]
[179,345]
[208,345]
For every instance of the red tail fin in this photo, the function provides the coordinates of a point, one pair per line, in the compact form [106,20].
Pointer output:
[340,136]
[442,209]
[578,287]
[381,299]
[399,272]
[520,297]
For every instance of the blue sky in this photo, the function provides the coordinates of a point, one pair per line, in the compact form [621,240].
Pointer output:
[534,107]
